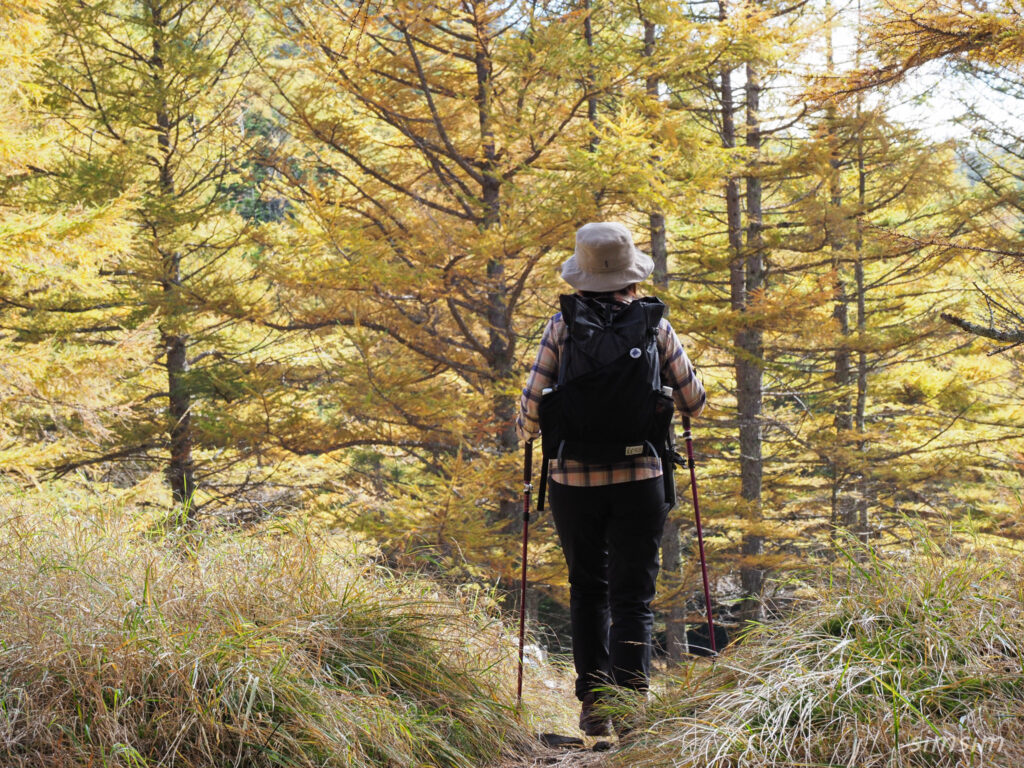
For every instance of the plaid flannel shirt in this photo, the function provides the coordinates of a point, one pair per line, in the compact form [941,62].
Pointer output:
[676,371]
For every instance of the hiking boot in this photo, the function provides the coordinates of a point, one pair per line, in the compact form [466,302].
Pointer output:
[627,717]
[623,726]
[593,722]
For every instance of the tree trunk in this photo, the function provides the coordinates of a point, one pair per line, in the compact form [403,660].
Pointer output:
[500,349]
[671,548]
[842,509]
[180,468]
[749,361]
[591,81]
[862,397]
[747,374]
[746,274]
[733,214]
[659,248]
[862,356]
[671,552]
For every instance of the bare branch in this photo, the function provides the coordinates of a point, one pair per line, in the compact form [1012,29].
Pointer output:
[1007,337]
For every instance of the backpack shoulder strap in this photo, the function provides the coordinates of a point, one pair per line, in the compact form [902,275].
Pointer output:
[655,310]
[569,302]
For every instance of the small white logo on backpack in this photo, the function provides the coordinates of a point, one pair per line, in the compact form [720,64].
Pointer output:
[635,353]
[634,450]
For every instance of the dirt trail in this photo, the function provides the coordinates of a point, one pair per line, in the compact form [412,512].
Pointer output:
[562,758]
[551,708]
[567,757]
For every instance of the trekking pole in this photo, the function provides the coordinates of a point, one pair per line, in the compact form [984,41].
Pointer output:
[700,534]
[527,490]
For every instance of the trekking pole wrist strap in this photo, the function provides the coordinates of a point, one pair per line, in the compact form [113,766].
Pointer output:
[680,460]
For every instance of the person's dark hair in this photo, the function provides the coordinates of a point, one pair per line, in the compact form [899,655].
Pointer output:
[631,288]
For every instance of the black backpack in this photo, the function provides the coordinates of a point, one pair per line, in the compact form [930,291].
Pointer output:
[608,405]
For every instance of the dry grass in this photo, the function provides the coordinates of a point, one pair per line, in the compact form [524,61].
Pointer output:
[214,649]
[911,661]
[278,647]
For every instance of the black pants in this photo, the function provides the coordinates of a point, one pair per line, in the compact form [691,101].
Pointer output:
[610,536]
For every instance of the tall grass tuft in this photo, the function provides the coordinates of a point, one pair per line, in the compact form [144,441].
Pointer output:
[274,648]
[911,661]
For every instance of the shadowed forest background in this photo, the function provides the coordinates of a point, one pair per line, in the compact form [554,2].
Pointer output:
[280,259]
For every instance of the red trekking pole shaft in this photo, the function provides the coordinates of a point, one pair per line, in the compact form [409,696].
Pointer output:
[527,490]
[700,533]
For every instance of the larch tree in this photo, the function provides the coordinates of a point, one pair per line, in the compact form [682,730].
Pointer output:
[671,555]
[864,251]
[151,99]
[731,242]
[444,154]
[992,232]
[882,191]
[983,44]
[49,393]
[789,209]
[981,232]
[683,161]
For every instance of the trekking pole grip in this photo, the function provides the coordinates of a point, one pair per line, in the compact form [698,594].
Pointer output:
[527,475]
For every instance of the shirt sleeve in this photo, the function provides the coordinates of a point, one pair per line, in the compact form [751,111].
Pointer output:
[678,372]
[542,375]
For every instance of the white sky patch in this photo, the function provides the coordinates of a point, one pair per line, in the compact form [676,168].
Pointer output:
[933,98]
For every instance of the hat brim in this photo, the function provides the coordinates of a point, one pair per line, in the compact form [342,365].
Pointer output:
[601,282]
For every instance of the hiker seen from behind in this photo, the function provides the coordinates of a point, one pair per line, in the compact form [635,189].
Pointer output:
[609,371]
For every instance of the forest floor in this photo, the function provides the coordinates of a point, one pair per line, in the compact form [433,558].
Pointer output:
[124,643]
[551,707]
[561,758]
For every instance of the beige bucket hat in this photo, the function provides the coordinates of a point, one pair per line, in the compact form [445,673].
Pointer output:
[605,259]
